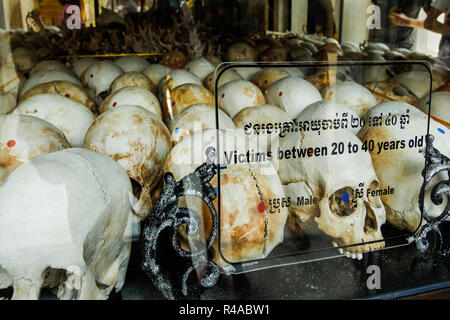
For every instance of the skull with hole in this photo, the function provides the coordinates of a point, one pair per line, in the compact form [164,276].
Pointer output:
[352,94]
[71,117]
[138,140]
[132,63]
[341,207]
[156,72]
[399,164]
[132,79]
[200,67]
[48,76]
[247,230]
[65,88]
[227,76]
[184,96]
[265,77]
[23,138]
[292,94]
[98,78]
[195,118]
[67,212]
[264,122]
[132,96]
[239,94]
[241,51]
[439,106]
[80,65]
[51,65]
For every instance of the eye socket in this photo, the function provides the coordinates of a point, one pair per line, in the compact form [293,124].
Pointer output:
[341,202]
[375,201]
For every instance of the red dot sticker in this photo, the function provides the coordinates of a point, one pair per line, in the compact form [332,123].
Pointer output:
[114,104]
[173,103]
[261,207]
[11,143]
[91,76]
[67,95]
[223,95]
[280,94]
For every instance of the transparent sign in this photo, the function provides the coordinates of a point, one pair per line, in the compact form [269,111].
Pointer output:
[324,159]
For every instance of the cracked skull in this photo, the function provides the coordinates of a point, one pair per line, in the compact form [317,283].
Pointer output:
[138,140]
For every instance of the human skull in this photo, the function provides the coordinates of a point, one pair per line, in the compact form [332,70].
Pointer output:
[400,166]
[352,94]
[51,65]
[57,231]
[241,51]
[48,76]
[239,94]
[156,72]
[334,183]
[264,122]
[292,94]
[184,96]
[174,59]
[23,138]
[99,76]
[247,230]
[80,65]
[200,67]
[227,76]
[65,88]
[132,63]
[439,106]
[132,96]
[264,78]
[71,117]
[195,118]
[132,79]
[139,142]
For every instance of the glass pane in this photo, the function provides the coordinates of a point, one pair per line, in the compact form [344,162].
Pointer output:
[323,162]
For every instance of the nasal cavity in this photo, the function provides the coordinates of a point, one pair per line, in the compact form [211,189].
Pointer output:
[370,223]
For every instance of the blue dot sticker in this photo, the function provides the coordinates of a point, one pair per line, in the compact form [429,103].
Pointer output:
[176,130]
[441,130]
[215,188]
[345,197]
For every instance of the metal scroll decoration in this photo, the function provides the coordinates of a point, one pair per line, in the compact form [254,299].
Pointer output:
[167,216]
[436,162]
